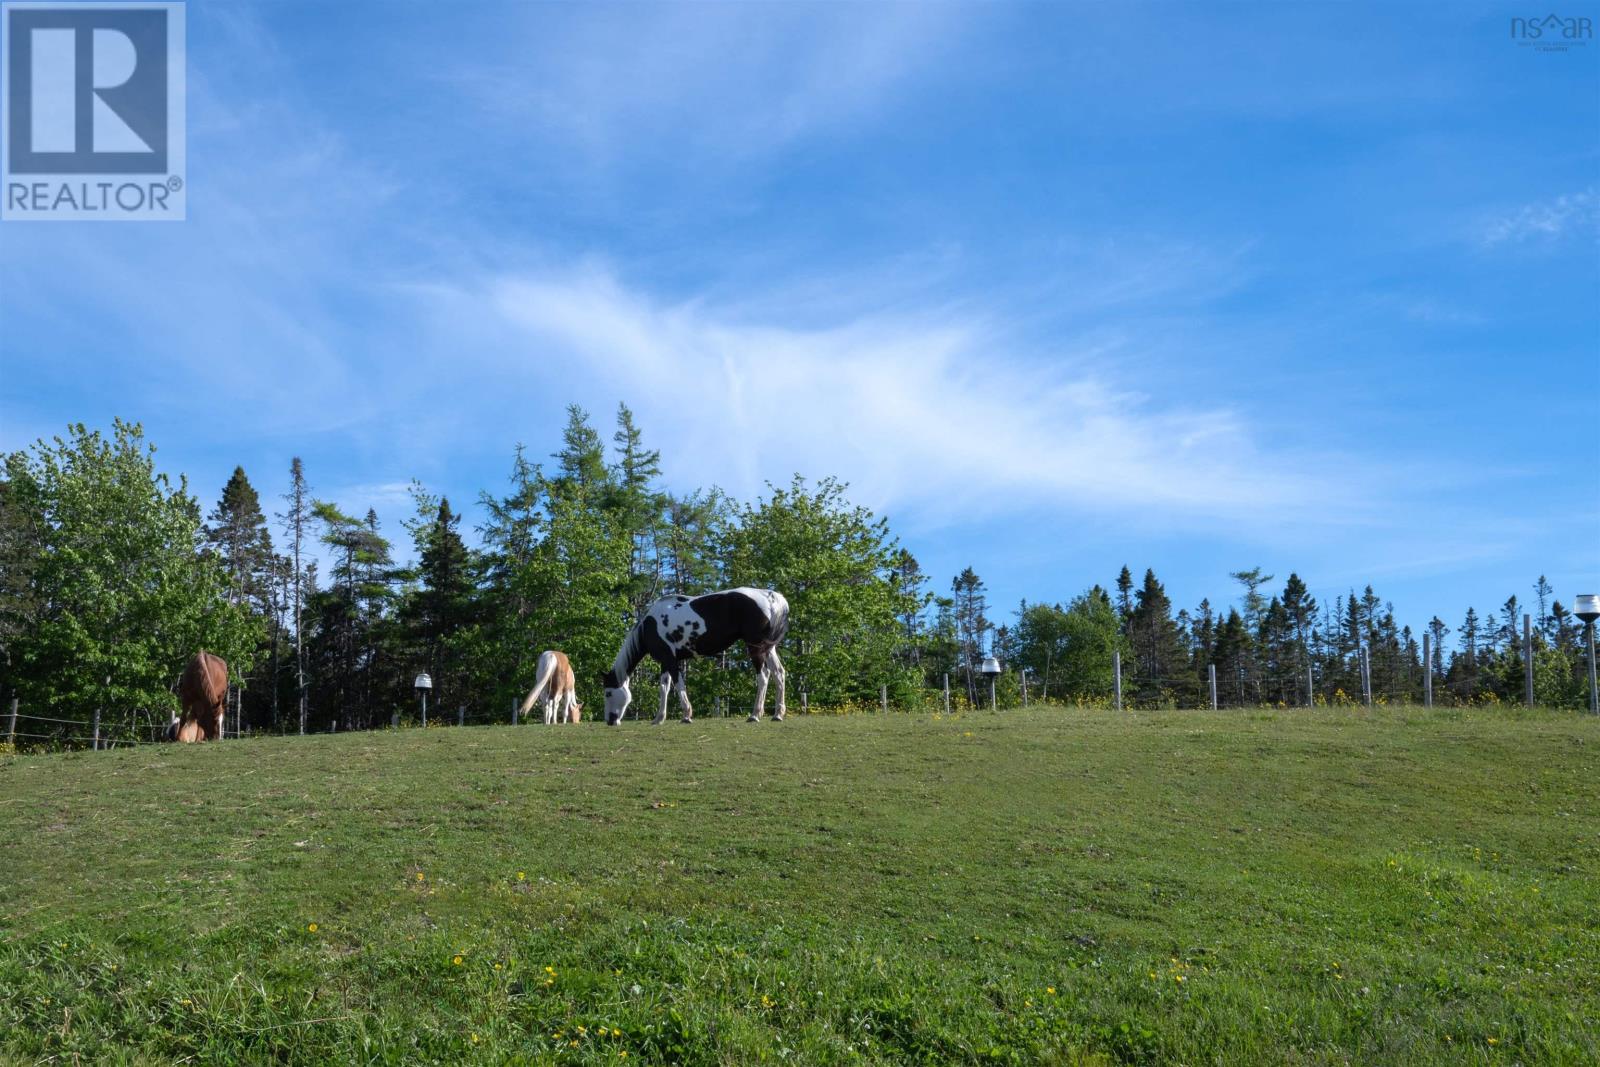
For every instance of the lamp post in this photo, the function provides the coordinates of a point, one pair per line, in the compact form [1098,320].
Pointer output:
[1587,608]
[422,685]
[991,671]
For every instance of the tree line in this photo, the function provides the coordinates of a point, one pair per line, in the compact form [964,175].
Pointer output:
[111,576]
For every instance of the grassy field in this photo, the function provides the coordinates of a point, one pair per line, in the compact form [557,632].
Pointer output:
[1045,886]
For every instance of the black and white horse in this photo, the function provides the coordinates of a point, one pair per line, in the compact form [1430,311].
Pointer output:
[676,629]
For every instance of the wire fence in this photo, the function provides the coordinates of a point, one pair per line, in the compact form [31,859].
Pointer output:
[1311,684]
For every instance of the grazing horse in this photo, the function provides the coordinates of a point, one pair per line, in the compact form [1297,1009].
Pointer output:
[676,629]
[203,692]
[555,689]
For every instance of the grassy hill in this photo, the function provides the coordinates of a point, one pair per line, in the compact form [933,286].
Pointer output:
[1029,887]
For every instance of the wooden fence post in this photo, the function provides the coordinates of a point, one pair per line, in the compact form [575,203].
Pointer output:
[461,715]
[947,693]
[1024,677]
[97,729]
[1211,677]
[1311,687]
[1116,670]
[11,729]
[805,707]
[883,698]
[1366,676]
[516,711]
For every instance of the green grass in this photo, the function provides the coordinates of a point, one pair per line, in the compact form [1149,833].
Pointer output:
[1323,886]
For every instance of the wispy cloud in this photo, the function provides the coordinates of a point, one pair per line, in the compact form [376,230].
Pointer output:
[711,83]
[926,412]
[1569,214]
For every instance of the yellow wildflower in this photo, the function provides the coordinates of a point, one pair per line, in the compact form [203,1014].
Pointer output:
[522,876]
[1050,989]
[456,960]
[311,927]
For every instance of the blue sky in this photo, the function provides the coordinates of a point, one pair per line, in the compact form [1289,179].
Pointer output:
[1310,287]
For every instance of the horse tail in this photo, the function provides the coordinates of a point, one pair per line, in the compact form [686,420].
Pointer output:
[547,673]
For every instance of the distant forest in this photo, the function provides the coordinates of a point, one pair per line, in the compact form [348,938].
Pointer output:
[111,576]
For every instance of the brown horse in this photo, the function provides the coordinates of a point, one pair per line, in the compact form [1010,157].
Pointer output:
[203,692]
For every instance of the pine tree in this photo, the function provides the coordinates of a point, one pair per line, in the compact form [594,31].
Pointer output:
[1124,596]
[972,624]
[295,521]
[1157,645]
[638,505]
[438,613]
[581,463]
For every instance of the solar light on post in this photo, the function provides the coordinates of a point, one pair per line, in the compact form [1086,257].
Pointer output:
[991,671]
[1587,608]
[422,685]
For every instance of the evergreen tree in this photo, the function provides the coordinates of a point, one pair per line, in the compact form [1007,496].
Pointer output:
[1157,645]
[295,521]
[971,607]
[638,505]
[1124,596]
[438,613]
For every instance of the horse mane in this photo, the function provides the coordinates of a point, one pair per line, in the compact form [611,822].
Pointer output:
[629,655]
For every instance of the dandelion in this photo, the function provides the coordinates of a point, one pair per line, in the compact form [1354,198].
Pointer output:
[581,1030]
[311,928]
[559,1034]
[474,1039]
[497,966]
[1050,989]
[522,876]
[1494,1041]
[1179,978]
[551,971]
[573,1043]
[456,960]
[616,1033]
[419,876]
[622,1055]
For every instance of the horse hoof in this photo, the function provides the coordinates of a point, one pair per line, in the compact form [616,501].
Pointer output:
[777,718]
[753,718]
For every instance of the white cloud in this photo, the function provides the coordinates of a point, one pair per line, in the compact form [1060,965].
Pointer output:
[929,412]
[1548,219]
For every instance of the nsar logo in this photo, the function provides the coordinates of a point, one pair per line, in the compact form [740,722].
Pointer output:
[93,110]
[1553,33]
